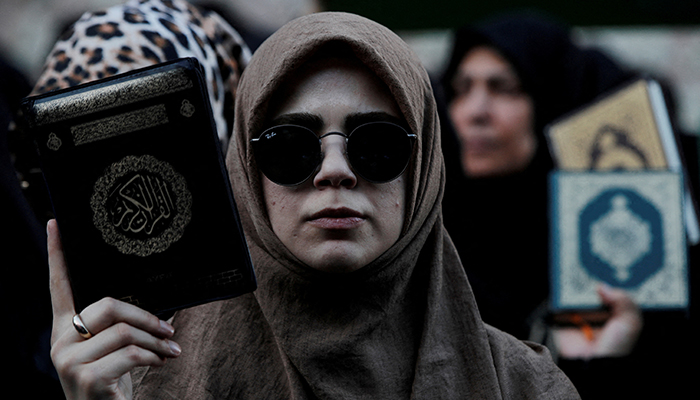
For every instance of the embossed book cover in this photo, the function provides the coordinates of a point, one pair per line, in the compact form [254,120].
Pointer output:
[619,131]
[140,190]
[624,229]
[627,129]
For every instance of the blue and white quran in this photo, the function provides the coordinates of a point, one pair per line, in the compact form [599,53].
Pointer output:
[624,229]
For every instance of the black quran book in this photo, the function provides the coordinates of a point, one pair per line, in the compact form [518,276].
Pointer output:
[139,188]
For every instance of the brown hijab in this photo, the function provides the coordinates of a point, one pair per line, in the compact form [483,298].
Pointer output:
[404,326]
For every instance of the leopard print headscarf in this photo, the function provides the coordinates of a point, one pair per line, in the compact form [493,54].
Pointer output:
[146,32]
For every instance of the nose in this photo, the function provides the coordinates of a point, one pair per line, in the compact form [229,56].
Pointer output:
[335,170]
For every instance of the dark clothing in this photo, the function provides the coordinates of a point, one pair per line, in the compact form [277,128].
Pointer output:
[24,284]
[500,225]
[482,215]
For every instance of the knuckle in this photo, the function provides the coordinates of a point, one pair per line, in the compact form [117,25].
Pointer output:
[89,378]
[63,368]
[64,361]
[133,353]
[124,332]
[153,320]
[66,367]
[56,351]
[56,358]
[109,306]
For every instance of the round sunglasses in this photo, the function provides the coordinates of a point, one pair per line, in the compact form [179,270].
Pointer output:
[377,151]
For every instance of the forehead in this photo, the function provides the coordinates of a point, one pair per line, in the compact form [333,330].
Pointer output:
[485,61]
[332,86]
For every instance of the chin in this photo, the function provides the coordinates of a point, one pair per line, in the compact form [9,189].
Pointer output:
[488,170]
[341,266]
[339,261]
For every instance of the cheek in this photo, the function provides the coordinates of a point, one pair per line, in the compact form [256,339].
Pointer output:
[458,119]
[393,207]
[453,110]
[519,137]
[279,206]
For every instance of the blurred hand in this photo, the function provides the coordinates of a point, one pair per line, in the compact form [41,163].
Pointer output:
[124,337]
[616,338]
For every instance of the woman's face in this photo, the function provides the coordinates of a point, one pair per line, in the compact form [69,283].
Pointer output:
[335,221]
[493,117]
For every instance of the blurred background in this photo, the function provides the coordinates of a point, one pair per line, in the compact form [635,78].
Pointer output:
[658,36]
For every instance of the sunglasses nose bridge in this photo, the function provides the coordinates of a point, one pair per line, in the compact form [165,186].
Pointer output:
[332,145]
[334,166]
[325,135]
[333,133]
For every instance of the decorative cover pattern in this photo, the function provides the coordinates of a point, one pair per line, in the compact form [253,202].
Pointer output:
[624,229]
[616,132]
[140,190]
[141,205]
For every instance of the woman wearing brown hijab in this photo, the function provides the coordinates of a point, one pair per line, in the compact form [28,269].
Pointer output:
[361,292]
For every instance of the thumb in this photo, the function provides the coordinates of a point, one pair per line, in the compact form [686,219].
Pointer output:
[617,299]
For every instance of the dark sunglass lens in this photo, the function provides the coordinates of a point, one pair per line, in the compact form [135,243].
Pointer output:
[287,155]
[379,152]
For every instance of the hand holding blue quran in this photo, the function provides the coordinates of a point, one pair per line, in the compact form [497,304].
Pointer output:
[621,211]
[616,337]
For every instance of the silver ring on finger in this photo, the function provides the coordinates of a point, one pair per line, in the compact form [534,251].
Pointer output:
[80,327]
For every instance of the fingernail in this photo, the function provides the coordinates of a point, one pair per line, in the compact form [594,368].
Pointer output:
[174,348]
[166,327]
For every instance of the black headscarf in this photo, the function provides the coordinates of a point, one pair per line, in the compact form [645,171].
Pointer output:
[559,75]
[500,224]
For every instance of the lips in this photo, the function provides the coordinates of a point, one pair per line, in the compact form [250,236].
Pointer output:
[336,218]
[480,146]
